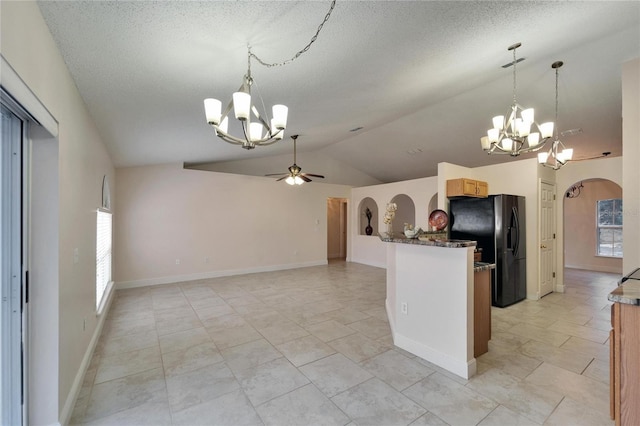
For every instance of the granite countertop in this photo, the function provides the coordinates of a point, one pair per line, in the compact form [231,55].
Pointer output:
[628,291]
[399,238]
[483,266]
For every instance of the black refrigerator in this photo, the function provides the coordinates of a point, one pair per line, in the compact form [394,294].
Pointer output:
[498,225]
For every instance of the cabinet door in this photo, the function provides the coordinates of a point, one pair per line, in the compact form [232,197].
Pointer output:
[482,189]
[469,187]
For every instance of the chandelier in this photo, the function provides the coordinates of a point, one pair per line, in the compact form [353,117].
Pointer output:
[253,131]
[558,154]
[259,130]
[511,134]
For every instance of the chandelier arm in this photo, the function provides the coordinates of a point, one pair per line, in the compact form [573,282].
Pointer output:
[229,138]
[303,50]
[257,114]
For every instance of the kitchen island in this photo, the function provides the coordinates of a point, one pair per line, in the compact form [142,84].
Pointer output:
[430,300]
[624,342]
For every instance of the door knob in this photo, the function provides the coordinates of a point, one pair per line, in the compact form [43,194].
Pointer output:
[543,246]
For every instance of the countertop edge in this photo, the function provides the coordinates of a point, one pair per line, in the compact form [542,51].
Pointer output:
[432,243]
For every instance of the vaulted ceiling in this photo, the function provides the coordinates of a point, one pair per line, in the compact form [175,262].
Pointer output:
[422,79]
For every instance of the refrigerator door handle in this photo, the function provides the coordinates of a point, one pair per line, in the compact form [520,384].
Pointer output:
[516,230]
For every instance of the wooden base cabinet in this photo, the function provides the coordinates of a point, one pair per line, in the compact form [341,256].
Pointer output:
[481,312]
[625,364]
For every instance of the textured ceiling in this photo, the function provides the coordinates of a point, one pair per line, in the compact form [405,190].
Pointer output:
[421,77]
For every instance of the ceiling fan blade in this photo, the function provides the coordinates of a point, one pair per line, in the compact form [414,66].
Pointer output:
[304,178]
[282,178]
[277,174]
[311,174]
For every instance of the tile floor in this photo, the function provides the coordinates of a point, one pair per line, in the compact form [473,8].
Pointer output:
[312,346]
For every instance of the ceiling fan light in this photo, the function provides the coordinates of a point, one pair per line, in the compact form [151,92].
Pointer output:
[527,115]
[255,131]
[242,105]
[546,129]
[533,139]
[298,180]
[507,144]
[542,157]
[279,120]
[485,143]
[290,180]
[212,110]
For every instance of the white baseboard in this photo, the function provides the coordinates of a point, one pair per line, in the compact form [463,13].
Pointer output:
[460,368]
[597,268]
[392,320]
[67,410]
[214,274]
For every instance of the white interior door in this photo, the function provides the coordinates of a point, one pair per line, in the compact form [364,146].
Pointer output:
[547,238]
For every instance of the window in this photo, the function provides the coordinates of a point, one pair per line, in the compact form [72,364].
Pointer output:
[609,227]
[103,255]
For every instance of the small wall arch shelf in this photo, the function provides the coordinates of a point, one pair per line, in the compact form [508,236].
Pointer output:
[368,217]
[406,212]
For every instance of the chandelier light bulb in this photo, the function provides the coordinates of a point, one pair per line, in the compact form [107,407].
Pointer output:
[567,153]
[486,144]
[213,110]
[255,131]
[533,139]
[493,135]
[527,115]
[279,120]
[242,105]
[546,129]
[542,157]
[498,122]
[507,144]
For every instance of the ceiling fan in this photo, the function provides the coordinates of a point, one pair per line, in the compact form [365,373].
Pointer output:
[295,176]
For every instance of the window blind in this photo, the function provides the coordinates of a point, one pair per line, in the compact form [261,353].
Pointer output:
[103,254]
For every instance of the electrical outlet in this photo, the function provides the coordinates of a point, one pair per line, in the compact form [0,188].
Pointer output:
[405,308]
[177,261]
[76,255]
[207,260]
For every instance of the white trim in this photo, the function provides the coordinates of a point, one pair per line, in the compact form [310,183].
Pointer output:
[460,368]
[214,274]
[76,387]
[18,89]
[106,298]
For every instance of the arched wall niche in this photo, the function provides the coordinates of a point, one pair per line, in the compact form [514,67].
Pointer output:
[406,212]
[580,224]
[433,204]
[367,203]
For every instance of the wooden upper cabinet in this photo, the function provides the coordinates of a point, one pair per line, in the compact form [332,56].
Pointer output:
[464,187]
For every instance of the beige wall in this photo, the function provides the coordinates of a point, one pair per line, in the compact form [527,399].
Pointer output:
[214,224]
[580,240]
[27,46]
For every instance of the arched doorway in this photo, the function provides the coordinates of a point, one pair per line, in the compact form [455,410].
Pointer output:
[589,223]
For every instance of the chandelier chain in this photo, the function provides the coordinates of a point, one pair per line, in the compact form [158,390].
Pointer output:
[307,47]
[556,124]
[514,75]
